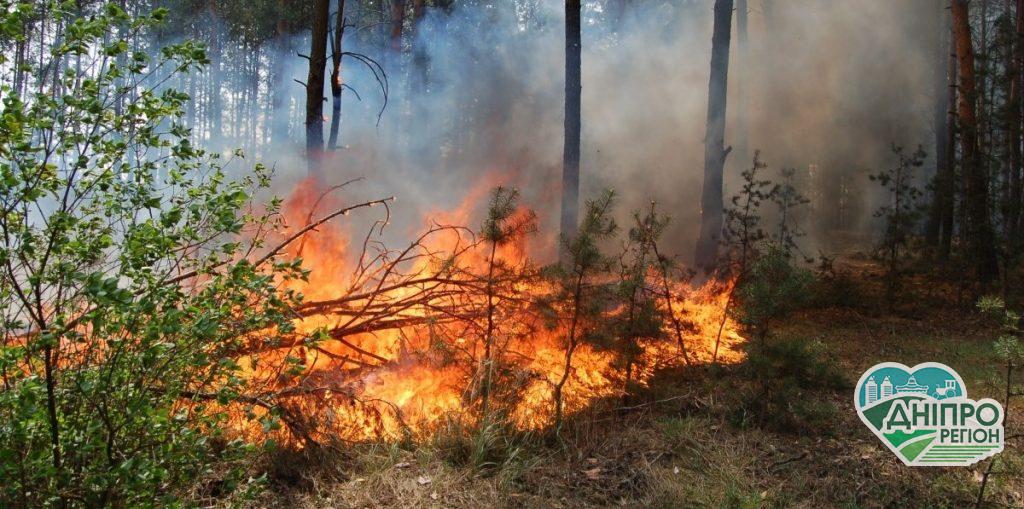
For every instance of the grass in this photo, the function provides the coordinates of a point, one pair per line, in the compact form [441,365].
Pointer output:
[684,447]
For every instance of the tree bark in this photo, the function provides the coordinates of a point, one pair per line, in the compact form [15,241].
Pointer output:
[945,100]
[573,122]
[1015,118]
[216,86]
[947,197]
[280,114]
[315,87]
[714,141]
[419,51]
[336,85]
[981,243]
[740,81]
[397,22]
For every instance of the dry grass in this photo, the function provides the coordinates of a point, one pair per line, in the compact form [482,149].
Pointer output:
[681,445]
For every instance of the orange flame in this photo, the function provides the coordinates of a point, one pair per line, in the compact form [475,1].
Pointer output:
[393,382]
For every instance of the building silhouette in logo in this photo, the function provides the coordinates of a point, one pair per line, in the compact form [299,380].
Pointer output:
[874,392]
[871,391]
[886,389]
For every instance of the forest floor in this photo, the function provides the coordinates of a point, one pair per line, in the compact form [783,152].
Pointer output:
[694,440]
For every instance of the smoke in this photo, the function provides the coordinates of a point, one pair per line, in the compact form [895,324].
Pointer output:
[830,86]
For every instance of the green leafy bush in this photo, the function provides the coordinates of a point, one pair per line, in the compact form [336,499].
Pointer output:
[124,282]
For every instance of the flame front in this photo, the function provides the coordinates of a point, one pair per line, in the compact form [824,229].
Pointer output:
[389,344]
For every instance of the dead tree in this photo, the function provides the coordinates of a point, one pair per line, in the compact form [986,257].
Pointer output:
[573,123]
[711,217]
[980,237]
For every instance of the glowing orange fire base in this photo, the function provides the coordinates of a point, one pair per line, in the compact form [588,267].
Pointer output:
[390,345]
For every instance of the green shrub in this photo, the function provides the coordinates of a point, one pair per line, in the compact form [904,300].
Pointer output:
[790,384]
[125,287]
[833,287]
[901,215]
[771,290]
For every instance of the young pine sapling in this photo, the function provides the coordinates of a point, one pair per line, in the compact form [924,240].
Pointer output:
[641,318]
[900,214]
[743,231]
[504,224]
[574,280]
[787,200]
[1009,348]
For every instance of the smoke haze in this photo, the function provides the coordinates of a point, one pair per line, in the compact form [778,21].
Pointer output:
[831,85]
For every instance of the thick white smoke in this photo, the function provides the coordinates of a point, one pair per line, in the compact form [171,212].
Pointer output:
[831,84]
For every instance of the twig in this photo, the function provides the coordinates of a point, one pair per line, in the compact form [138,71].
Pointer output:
[789,460]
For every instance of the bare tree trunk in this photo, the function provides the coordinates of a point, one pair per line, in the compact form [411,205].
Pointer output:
[397,22]
[740,81]
[215,74]
[714,141]
[573,122]
[944,104]
[315,87]
[336,85]
[419,52]
[279,110]
[949,183]
[979,227]
[1015,116]
[947,196]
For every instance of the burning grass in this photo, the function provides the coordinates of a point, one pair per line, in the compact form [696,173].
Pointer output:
[388,344]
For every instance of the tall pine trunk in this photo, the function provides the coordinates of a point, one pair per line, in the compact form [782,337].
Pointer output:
[419,50]
[216,84]
[573,121]
[1016,68]
[397,22]
[948,184]
[315,87]
[945,101]
[711,217]
[979,234]
[740,82]
[339,32]
[279,104]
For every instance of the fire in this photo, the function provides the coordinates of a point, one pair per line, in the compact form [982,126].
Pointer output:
[400,335]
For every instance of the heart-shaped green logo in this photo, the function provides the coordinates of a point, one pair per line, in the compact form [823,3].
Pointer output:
[923,415]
